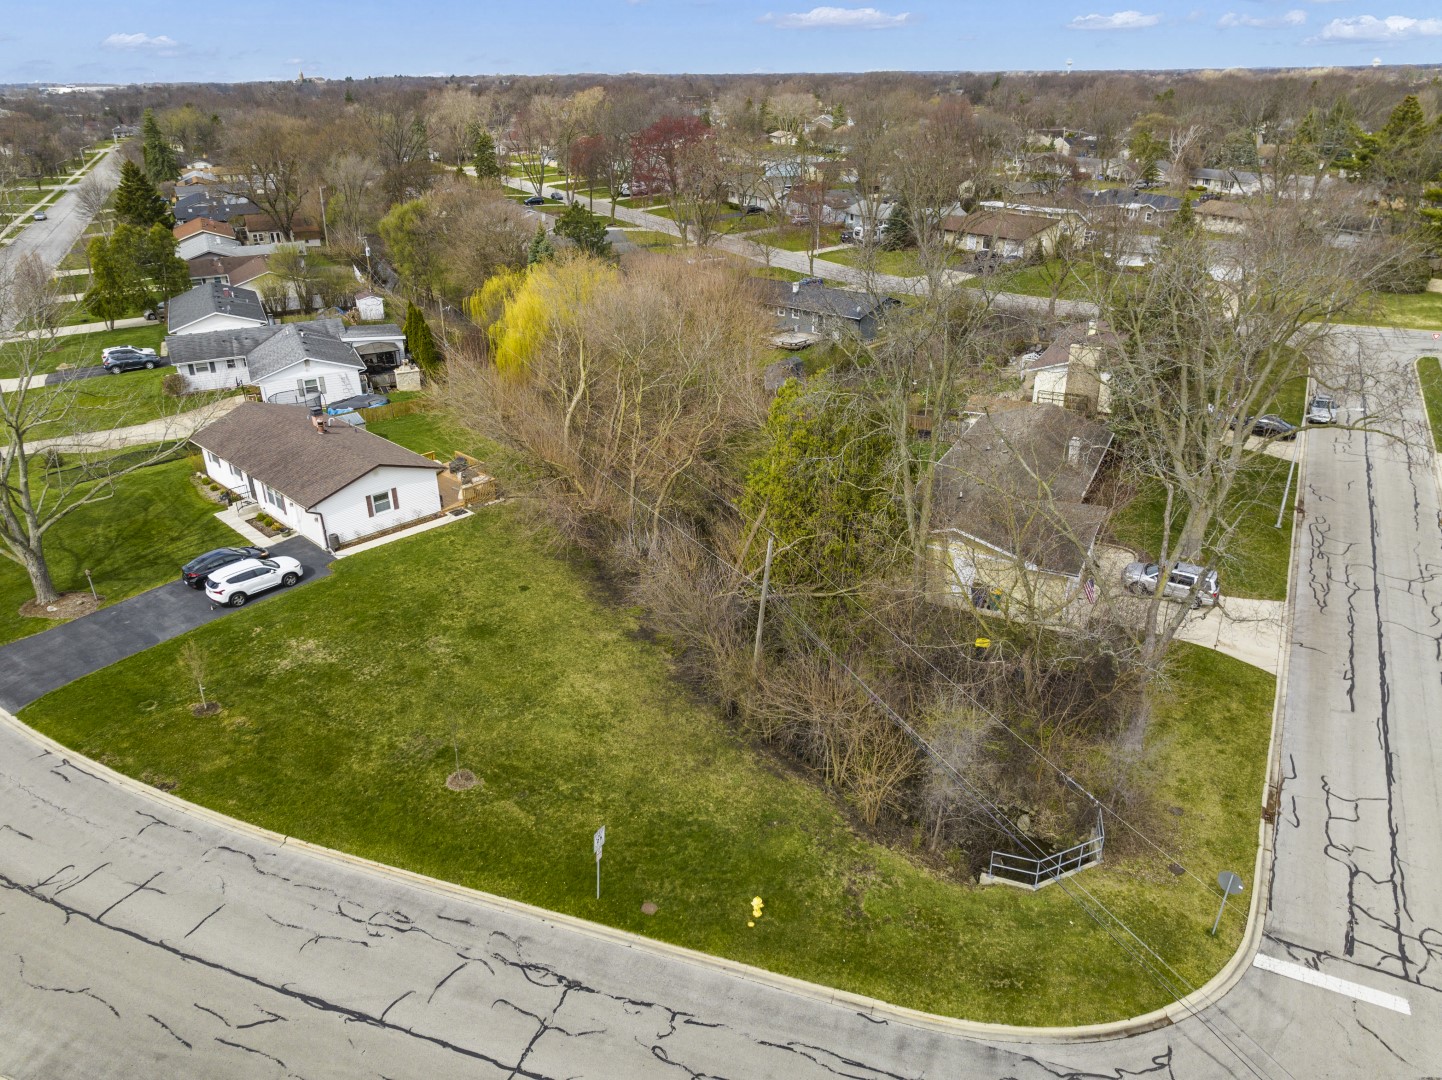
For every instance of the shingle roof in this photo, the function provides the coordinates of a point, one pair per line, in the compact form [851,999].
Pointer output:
[278,445]
[1008,483]
[216,205]
[1130,197]
[1059,351]
[822,299]
[371,330]
[291,344]
[999,223]
[239,268]
[202,224]
[210,299]
[219,344]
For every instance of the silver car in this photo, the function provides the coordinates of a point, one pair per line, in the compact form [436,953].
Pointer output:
[1322,409]
[1186,583]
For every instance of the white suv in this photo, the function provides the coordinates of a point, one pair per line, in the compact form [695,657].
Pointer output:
[238,582]
[1187,583]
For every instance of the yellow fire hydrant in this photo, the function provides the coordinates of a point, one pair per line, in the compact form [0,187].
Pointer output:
[756,905]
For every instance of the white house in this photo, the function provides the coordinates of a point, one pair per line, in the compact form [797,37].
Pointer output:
[214,306]
[335,486]
[295,363]
[1227,181]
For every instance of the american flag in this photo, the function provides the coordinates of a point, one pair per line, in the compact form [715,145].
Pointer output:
[1090,588]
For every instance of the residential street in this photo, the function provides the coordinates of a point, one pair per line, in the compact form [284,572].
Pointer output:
[145,938]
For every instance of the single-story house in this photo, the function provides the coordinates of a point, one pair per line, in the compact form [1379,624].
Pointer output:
[1010,516]
[335,485]
[863,215]
[1071,371]
[1003,232]
[211,202]
[261,228]
[214,306]
[820,309]
[782,137]
[1225,217]
[228,269]
[292,363]
[202,225]
[1134,205]
[1227,181]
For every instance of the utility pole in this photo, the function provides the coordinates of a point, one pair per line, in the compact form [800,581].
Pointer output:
[324,225]
[761,615]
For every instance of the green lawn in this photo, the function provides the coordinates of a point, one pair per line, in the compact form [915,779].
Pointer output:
[1040,280]
[1410,311]
[114,401]
[571,719]
[904,263]
[650,238]
[82,350]
[1429,375]
[1259,557]
[797,238]
[132,541]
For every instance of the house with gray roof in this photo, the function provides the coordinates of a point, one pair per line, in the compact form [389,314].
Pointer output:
[335,485]
[820,309]
[214,306]
[304,363]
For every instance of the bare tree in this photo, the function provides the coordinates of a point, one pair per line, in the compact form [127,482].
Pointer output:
[91,195]
[351,180]
[274,156]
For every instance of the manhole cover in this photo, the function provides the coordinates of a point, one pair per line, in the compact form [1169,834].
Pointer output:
[1177,868]
[461,780]
[648,908]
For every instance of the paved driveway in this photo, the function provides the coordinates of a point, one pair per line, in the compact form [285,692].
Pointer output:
[33,666]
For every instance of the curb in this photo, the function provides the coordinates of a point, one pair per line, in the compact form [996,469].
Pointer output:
[1427,413]
[872,1008]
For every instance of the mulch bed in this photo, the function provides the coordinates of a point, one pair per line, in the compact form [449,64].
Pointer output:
[69,605]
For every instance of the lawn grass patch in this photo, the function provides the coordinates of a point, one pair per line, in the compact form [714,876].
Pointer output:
[903,263]
[337,731]
[1410,311]
[81,350]
[1259,558]
[134,540]
[116,401]
[1039,279]
[798,238]
[1429,376]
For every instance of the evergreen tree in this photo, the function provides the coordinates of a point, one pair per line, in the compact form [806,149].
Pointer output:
[137,202]
[164,270]
[420,342]
[488,166]
[584,229]
[541,249]
[110,295]
[897,232]
[160,164]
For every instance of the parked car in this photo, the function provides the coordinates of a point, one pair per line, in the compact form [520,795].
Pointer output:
[556,196]
[750,210]
[1182,583]
[39,215]
[156,313]
[120,358]
[535,200]
[811,281]
[1322,410]
[233,585]
[201,567]
[1269,426]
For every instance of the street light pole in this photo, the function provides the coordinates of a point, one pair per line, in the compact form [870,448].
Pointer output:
[324,225]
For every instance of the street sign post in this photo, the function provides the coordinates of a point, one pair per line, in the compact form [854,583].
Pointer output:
[597,843]
[1231,885]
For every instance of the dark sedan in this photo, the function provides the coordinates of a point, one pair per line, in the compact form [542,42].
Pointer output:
[128,358]
[1270,426]
[199,568]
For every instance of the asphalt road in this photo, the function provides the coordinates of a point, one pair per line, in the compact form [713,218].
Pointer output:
[137,938]
[53,238]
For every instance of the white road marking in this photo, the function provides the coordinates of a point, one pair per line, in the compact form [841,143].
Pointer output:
[1334,984]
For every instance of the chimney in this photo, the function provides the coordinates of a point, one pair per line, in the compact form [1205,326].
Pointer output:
[1074,451]
[796,286]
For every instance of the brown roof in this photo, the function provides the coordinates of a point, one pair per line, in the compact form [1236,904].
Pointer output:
[1001,224]
[278,445]
[203,224]
[1217,209]
[238,268]
[1059,351]
[301,230]
[1009,483]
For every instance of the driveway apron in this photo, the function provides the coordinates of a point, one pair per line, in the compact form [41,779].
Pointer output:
[33,666]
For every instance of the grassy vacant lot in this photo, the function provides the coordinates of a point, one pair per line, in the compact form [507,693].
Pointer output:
[130,542]
[114,401]
[1429,375]
[338,731]
[1040,280]
[82,350]
[1410,311]
[1260,554]
[797,238]
[903,263]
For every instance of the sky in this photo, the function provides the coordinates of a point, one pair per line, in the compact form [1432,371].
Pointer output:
[151,41]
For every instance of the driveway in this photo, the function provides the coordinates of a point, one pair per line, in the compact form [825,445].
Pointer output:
[33,666]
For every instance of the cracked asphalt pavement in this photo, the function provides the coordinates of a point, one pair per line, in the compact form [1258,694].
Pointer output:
[137,939]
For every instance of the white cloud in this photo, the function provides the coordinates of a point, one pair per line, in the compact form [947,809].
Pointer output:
[141,43]
[835,18]
[1122,20]
[1291,18]
[1371,28]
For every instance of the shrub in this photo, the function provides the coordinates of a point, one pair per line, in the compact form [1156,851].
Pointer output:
[175,385]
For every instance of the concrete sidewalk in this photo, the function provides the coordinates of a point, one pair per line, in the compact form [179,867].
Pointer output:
[166,429]
[86,328]
[1248,630]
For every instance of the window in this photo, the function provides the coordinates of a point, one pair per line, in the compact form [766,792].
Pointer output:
[211,458]
[311,387]
[275,498]
[203,368]
[382,502]
[230,363]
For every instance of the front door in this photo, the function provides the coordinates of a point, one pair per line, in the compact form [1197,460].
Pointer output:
[250,483]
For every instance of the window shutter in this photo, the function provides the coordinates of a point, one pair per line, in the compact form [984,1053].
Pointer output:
[370,507]
[300,387]
[395,499]
[320,386]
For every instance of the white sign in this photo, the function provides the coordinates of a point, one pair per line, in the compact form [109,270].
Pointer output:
[599,841]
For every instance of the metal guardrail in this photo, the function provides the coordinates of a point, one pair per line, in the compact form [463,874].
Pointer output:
[1035,873]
